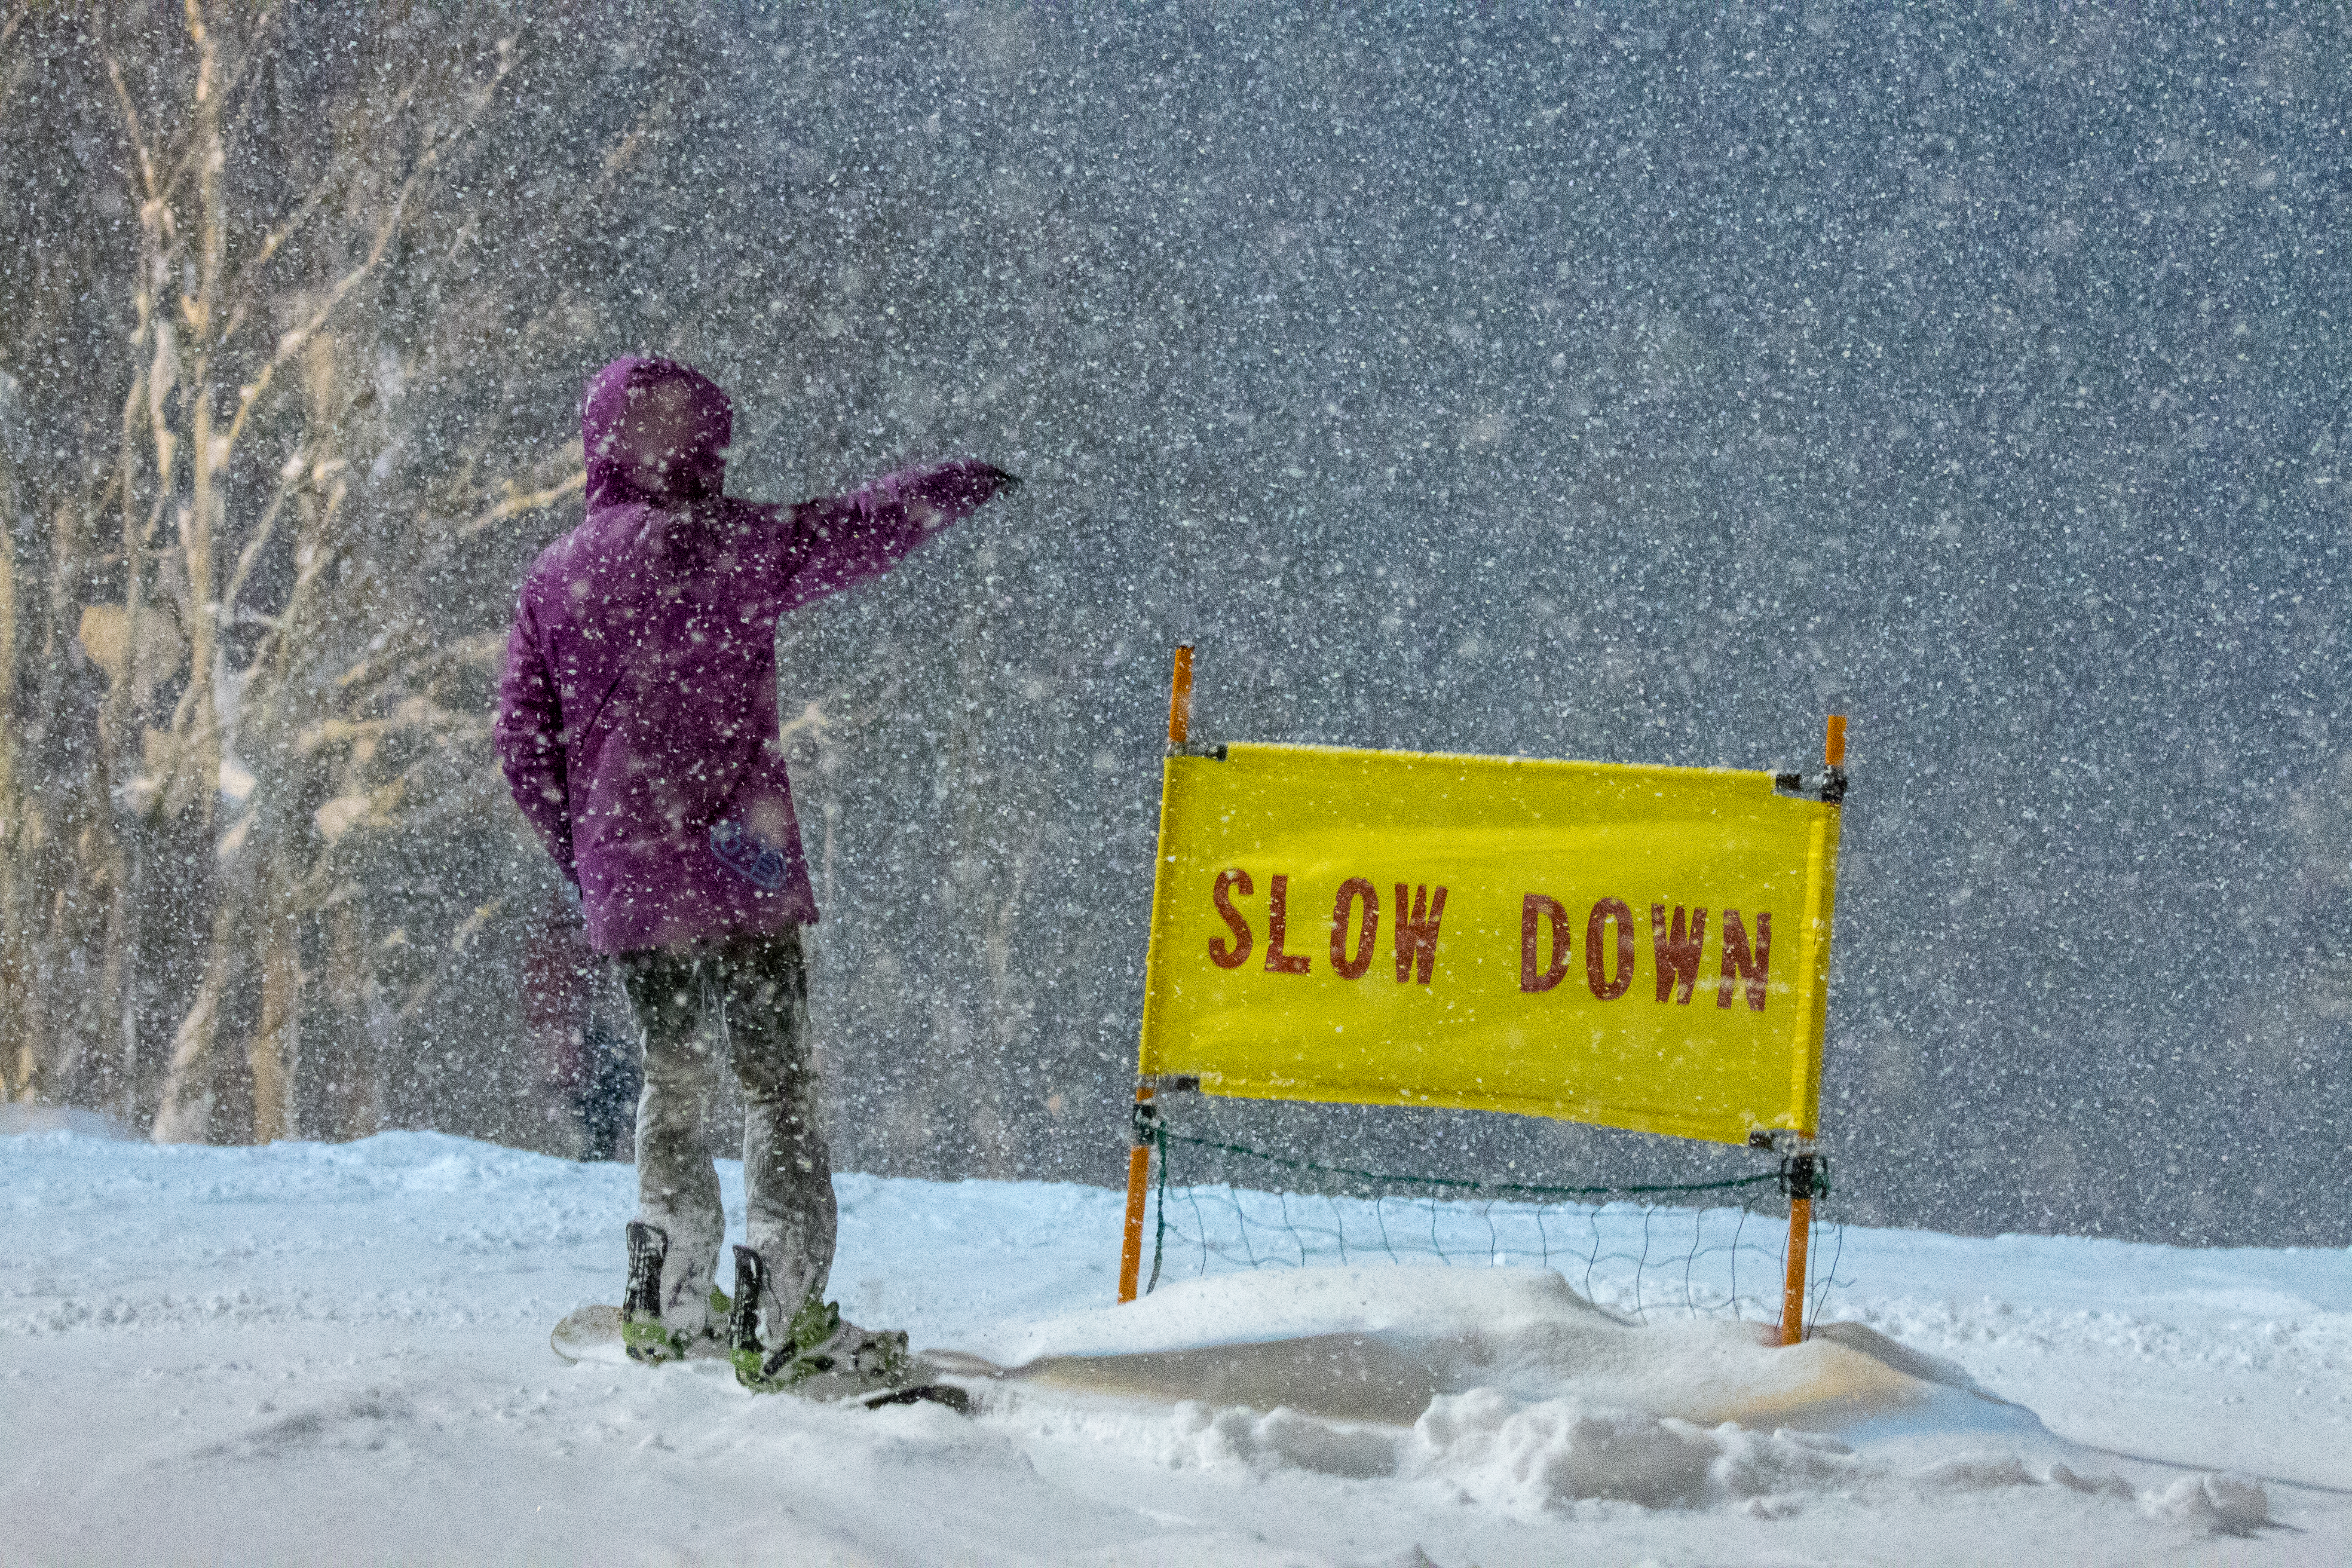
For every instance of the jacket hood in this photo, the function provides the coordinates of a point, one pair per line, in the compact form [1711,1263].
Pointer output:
[656,432]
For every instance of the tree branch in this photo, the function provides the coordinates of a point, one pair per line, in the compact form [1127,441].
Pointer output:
[515,505]
[141,155]
[299,466]
[428,165]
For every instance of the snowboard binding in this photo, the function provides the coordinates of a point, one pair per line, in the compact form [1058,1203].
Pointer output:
[641,1333]
[821,1355]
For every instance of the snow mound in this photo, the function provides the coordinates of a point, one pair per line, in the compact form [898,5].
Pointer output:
[1509,1390]
[1528,1457]
[1387,1345]
[2215,1504]
[1505,1388]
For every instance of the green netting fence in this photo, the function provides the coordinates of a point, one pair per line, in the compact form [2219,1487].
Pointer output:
[1649,1251]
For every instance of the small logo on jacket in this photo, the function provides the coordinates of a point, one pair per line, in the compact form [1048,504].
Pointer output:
[740,852]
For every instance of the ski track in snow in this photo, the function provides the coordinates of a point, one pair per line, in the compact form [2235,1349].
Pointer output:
[309,1353]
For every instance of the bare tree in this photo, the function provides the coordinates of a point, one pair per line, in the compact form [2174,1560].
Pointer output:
[247,697]
[235,299]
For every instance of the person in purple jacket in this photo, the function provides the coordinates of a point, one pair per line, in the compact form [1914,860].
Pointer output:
[637,729]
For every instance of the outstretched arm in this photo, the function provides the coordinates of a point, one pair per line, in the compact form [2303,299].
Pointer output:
[530,734]
[847,539]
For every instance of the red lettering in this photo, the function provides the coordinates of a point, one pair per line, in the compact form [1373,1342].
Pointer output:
[1221,956]
[1754,968]
[1534,905]
[1278,926]
[1416,936]
[1606,987]
[1677,953]
[1346,967]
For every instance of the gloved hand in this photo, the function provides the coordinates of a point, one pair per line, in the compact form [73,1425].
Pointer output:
[961,486]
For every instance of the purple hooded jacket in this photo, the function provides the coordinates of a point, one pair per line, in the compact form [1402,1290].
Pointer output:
[638,720]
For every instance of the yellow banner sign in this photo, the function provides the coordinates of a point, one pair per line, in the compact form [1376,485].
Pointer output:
[1631,946]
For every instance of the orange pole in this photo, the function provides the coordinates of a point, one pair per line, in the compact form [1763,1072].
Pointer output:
[1800,1209]
[1139,1182]
[1180,697]
[1139,1157]
[1792,1294]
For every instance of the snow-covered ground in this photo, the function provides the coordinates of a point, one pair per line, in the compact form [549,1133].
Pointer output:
[338,1354]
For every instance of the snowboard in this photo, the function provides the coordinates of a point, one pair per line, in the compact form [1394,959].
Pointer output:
[592,1335]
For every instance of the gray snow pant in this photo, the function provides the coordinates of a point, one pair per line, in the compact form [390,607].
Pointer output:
[746,993]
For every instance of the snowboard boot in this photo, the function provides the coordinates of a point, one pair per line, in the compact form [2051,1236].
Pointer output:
[822,1356]
[642,1334]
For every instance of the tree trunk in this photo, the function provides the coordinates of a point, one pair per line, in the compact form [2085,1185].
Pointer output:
[82,827]
[121,723]
[198,772]
[186,1114]
[355,1091]
[16,1040]
[274,1051]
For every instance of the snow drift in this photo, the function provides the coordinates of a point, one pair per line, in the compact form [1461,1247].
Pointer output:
[1514,1388]
[1381,1343]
